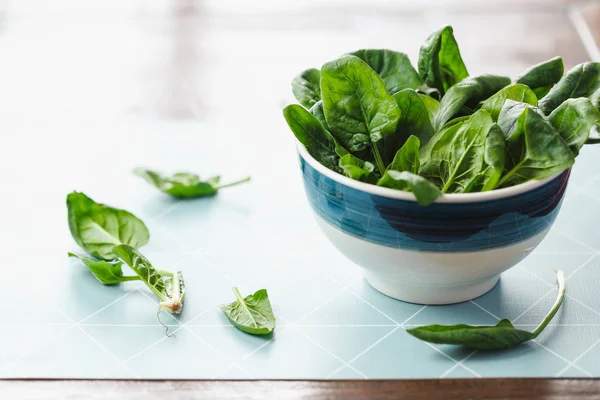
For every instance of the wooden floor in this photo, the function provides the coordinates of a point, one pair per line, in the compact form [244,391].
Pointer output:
[199,60]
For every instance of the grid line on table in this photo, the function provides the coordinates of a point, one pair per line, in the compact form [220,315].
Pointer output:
[460,364]
[573,363]
[561,357]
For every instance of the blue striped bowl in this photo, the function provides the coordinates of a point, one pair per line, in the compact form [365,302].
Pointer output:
[450,251]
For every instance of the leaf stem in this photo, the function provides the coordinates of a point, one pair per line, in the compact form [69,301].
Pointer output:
[246,179]
[560,279]
[378,159]
[164,272]
[130,278]
[238,296]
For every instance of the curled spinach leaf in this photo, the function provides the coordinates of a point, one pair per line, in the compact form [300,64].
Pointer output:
[184,185]
[440,63]
[515,92]
[312,134]
[498,337]
[534,149]
[358,169]
[252,314]
[97,228]
[574,120]
[541,77]
[581,81]
[425,192]
[469,92]
[407,157]
[358,108]
[394,68]
[106,272]
[307,88]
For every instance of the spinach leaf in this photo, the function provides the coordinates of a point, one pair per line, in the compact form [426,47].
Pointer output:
[458,160]
[594,135]
[440,63]
[311,133]
[425,192]
[541,77]
[429,92]
[307,88]
[498,337]
[574,120]
[534,149]
[97,228]
[394,68]
[431,104]
[407,158]
[470,91]
[106,272]
[449,129]
[516,92]
[581,81]
[317,111]
[185,185]
[358,108]
[493,160]
[252,314]
[414,120]
[170,300]
[358,169]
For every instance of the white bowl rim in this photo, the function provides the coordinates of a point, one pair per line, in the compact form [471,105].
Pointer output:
[401,195]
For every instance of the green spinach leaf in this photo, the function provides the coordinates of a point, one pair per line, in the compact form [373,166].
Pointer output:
[407,158]
[97,228]
[313,135]
[498,337]
[516,92]
[574,120]
[106,272]
[358,169]
[468,92]
[307,87]
[534,149]
[431,104]
[581,81]
[185,185]
[425,192]
[594,137]
[252,314]
[394,68]
[440,63]
[541,77]
[317,111]
[358,108]
[449,129]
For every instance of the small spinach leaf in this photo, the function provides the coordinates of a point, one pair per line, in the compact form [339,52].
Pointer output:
[440,63]
[449,129]
[358,169]
[431,104]
[307,88]
[534,149]
[317,111]
[358,108]
[407,158]
[470,91]
[106,272]
[541,77]
[184,185]
[394,68]
[252,314]
[498,337]
[97,228]
[425,192]
[581,81]
[574,120]
[516,92]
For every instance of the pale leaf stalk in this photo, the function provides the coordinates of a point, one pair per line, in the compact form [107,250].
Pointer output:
[173,304]
[560,279]
[246,179]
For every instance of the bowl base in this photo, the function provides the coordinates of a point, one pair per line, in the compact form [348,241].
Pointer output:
[430,294]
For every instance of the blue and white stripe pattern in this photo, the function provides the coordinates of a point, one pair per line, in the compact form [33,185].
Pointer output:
[439,227]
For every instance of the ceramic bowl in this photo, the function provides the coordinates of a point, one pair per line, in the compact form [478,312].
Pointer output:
[450,251]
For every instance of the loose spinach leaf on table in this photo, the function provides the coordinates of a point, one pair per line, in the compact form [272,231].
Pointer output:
[515,92]
[184,185]
[440,63]
[306,87]
[407,158]
[393,67]
[425,192]
[534,149]
[498,337]
[541,77]
[358,169]
[358,108]
[252,314]
[583,80]
[170,300]
[468,92]
[106,272]
[312,134]
[574,120]
[97,228]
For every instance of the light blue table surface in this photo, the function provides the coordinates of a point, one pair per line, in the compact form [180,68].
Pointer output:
[58,321]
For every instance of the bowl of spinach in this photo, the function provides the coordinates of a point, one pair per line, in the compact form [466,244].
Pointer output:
[433,180]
